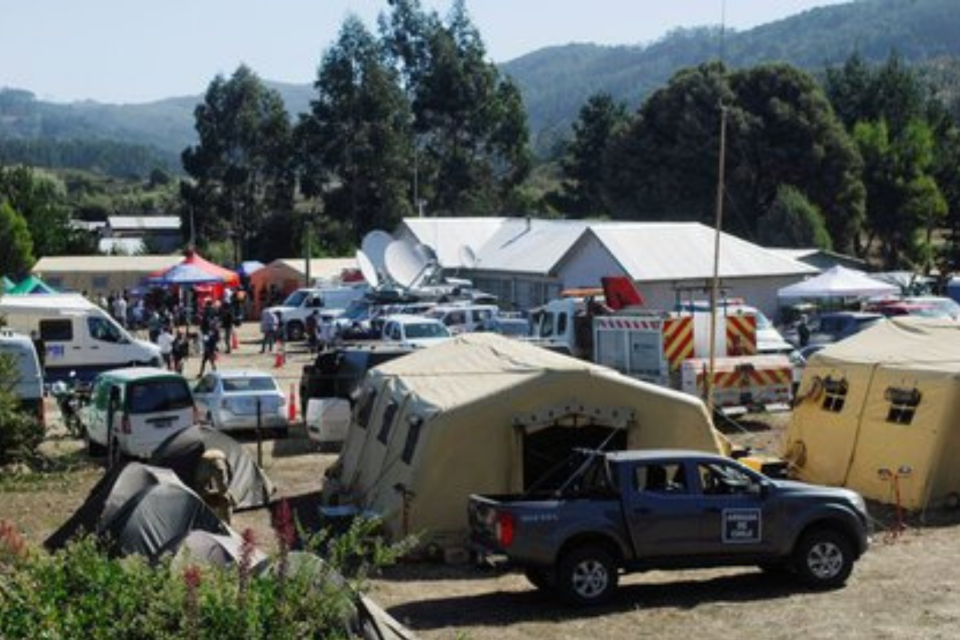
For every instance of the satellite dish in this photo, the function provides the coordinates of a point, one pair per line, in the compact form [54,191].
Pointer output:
[374,245]
[467,257]
[404,264]
[367,269]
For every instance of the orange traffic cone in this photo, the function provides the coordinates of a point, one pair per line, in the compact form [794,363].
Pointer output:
[278,360]
[292,404]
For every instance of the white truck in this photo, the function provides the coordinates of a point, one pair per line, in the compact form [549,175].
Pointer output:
[671,349]
[302,303]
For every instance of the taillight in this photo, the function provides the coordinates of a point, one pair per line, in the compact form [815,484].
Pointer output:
[125,424]
[506,528]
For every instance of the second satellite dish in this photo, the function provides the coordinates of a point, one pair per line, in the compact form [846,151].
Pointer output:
[404,264]
[367,269]
[374,245]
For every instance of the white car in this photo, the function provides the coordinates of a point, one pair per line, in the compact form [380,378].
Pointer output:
[230,400]
[415,331]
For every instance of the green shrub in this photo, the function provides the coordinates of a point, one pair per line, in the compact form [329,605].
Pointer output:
[79,592]
[20,434]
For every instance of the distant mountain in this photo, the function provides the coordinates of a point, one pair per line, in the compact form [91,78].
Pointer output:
[556,81]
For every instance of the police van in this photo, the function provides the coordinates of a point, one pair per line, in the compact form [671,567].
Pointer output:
[79,336]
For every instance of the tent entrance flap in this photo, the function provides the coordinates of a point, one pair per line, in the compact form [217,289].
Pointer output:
[546,449]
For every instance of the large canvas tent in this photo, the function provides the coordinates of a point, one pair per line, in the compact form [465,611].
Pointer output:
[139,509]
[882,408]
[249,485]
[486,414]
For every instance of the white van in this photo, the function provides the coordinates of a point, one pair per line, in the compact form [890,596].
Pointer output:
[132,411]
[300,304]
[28,387]
[464,318]
[79,336]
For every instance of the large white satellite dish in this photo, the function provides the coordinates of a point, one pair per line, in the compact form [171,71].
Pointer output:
[367,269]
[404,263]
[374,245]
[467,257]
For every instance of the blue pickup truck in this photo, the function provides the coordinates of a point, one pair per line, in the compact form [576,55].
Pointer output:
[665,509]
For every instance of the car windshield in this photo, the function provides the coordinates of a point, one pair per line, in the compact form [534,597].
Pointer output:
[151,396]
[295,299]
[426,330]
[245,384]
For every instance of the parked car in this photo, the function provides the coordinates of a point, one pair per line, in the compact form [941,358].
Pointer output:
[464,318]
[329,384]
[415,331]
[133,410]
[833,327]
[663,509]
[231,401]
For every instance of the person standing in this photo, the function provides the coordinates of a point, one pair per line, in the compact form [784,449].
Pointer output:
[181,349]
[165,342]
[211,343]
[120,310]
[268,327]
[226,322]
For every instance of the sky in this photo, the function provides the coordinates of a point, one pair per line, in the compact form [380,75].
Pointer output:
[130,51]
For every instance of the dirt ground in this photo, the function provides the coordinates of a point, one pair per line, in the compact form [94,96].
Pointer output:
[906,586]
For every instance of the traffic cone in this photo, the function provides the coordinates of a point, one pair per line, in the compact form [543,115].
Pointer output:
[278,360]
[292,405]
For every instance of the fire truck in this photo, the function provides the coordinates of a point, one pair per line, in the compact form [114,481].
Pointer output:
[669,348]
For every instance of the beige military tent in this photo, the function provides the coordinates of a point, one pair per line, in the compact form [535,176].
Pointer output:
[486,414]
[880,411]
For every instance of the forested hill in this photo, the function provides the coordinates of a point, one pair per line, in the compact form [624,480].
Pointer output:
[557,81]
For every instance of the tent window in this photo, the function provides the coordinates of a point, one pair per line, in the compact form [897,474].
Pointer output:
[366,407]
[903,404]
[413,436]
[835,394]
[388,415]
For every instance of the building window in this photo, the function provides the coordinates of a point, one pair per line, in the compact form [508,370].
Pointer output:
[834,394]
[903,404]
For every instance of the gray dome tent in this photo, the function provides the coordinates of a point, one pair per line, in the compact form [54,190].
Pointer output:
[139,509]
[181,452]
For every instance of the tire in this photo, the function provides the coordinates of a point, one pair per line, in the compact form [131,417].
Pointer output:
[823,559]
[543,578]
[281,433]
[587,576]
[95,449]
[294,331]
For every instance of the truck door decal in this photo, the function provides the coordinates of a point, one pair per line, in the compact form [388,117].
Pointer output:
[677,340]
[741,526]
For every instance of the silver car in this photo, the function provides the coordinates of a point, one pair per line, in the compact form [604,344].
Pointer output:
[230,401]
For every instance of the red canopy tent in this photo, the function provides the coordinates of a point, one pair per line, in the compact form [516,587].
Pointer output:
[204,292]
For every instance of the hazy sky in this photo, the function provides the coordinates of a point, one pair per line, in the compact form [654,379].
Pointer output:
[141,50]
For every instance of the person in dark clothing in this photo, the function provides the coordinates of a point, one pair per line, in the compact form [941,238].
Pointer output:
[226,323]
[211,342]
[181,349]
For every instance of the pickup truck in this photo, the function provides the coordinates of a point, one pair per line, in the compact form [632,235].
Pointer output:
[667,509]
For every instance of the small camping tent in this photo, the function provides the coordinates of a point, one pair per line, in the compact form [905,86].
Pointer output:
[214,549]
[249,485]
[139,509]
[31,285]
[486,414]
[882,407]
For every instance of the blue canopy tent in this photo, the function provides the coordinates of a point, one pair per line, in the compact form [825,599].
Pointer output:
[247,267]
[184,273]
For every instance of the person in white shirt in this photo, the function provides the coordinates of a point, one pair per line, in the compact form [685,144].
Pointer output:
[165,342]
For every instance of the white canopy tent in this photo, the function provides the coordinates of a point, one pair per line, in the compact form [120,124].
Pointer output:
[839,282]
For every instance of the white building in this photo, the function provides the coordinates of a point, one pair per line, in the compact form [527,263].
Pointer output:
[526,262]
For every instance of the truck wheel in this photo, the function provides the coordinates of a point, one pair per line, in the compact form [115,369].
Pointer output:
[294,331]
[542,578]
[587,576]
[823,559]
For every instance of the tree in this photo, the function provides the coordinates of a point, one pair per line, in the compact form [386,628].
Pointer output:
[600,120]
[354,148]
[242,167]
[793,221]
[780,130]
[470,126]
[16,247]
[39,198]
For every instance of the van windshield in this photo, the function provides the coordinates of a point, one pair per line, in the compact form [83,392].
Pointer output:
[150,396]
[295,299]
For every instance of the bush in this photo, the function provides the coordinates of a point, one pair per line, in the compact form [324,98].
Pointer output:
[20,435]
[81,592]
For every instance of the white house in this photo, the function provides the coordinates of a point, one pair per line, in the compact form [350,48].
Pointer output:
[525,262]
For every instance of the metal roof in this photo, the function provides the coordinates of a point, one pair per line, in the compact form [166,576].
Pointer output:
[144,222]
[656,251]
[447,236]
[525,245]
[103,264]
